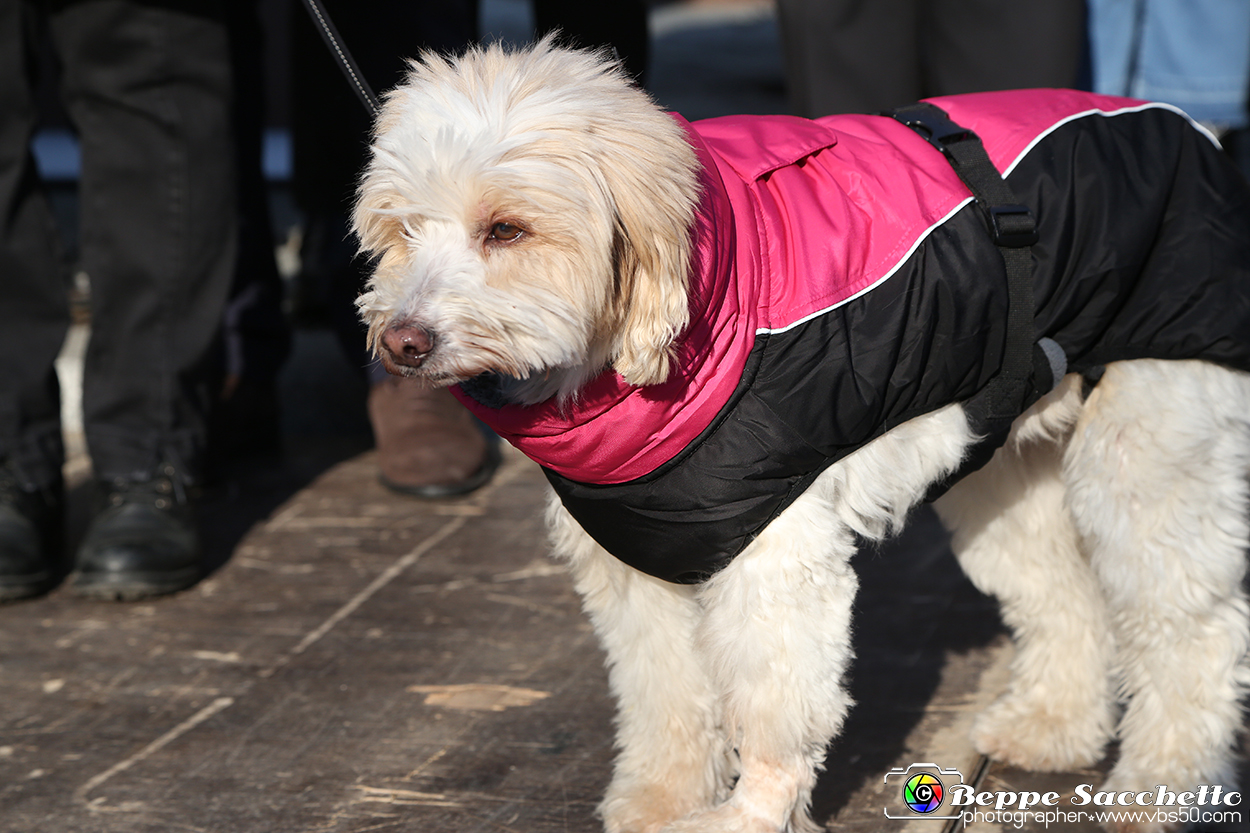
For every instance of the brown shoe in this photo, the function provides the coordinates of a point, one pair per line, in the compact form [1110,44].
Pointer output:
[429,446]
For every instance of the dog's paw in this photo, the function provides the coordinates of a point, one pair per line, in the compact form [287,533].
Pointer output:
[643,808]
[731,817]
[1041,734]
[726,818]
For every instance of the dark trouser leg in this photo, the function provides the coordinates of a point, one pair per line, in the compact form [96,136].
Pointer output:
[978,45]
[34,306]
[148,86]
[34,315]
[850,56]
[863,56]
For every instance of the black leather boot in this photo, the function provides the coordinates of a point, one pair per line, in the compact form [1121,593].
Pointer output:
[30,535]
[142,541]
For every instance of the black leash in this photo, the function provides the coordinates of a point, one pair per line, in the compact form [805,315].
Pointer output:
[342,55]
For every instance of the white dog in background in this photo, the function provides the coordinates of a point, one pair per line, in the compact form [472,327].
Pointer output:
[530,216]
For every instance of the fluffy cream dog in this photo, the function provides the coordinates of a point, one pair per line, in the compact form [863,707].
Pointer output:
[534,217]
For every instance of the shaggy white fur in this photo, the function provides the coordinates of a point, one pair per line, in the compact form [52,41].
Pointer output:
[529,215]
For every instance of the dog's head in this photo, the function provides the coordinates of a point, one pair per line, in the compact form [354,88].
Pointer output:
[529,215]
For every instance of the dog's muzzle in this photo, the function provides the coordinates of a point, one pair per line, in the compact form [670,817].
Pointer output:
[408,344]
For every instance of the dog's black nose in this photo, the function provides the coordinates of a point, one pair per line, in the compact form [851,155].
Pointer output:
[408,344]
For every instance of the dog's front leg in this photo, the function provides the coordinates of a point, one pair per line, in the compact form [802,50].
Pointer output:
[674,758]
[776,631]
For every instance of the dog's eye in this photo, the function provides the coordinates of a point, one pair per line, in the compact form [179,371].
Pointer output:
[505,232]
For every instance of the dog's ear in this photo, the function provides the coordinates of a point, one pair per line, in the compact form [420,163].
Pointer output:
[377,228]
[654,191]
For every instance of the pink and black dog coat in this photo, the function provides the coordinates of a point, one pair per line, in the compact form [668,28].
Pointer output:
[845,280]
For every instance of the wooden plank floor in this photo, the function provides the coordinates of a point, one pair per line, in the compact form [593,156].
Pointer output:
[361,661]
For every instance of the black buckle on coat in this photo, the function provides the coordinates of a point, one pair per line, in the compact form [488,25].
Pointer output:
[1014,226]
[931,124]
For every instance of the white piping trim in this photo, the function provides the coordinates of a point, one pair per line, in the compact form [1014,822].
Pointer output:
[902,259]
[921,238]
[1136,108]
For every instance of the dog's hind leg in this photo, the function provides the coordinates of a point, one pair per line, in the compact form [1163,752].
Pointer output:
[1157,476]
[673,756]
[1015,539]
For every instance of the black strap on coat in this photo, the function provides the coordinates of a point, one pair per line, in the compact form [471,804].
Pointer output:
[1014,231]
[1029,369]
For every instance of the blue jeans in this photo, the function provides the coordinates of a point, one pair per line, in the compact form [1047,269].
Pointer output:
[1191,53]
